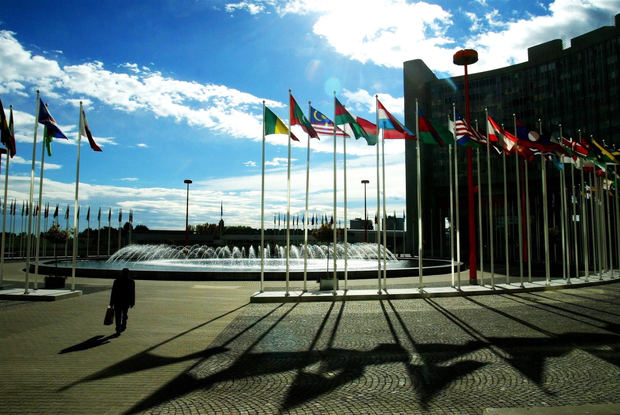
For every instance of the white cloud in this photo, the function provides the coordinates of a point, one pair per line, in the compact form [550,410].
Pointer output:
[216,107]
[129,179]
[142,145]
[363,100]
[250,163]
[252,8]
[278,161]
[389,32]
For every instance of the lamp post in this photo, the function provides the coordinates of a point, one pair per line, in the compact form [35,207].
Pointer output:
[187,182]
[365,182]
[463,58]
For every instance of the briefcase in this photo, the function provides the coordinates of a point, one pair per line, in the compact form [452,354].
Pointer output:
[109,316]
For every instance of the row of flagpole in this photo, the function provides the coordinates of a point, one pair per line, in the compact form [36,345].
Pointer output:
[350,128]
[603,208]
[43,116]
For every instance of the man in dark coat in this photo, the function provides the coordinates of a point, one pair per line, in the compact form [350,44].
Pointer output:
[122,298]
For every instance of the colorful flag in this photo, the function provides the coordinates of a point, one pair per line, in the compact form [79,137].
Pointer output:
[370,129]
[465,134]
[350,125]
[297,117]
[498,135]
[7,136]
[86,131]
[274,125]
[46,119]
[323,125]
[387,122]
[601,153]
[431,133]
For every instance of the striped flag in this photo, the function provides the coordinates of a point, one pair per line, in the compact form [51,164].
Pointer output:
[323,125]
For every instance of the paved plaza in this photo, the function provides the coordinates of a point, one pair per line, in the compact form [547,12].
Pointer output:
[202,347]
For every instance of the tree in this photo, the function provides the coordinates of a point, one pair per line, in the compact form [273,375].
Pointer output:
[55,234]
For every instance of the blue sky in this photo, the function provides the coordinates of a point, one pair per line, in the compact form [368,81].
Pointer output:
[173,90]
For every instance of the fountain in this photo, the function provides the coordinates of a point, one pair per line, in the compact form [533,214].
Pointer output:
[201,262]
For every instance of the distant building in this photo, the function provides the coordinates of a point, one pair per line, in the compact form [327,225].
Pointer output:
[577,87]
[358,223]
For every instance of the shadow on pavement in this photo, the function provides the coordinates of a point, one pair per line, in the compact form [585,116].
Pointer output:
[94,341]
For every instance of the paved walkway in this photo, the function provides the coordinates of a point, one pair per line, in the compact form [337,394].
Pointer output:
[202,348]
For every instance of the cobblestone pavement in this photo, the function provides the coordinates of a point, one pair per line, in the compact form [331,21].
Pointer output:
[444,356]
[199,347]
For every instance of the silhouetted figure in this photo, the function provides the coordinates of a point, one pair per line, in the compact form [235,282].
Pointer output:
[122,298]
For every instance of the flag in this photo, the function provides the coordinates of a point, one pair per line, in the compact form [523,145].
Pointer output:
[88,214]
[388,122]
[349,124]
[130,215]
[370,129]
[496,133]
[46,119]
[297,117]
[85,130]
[67,213]
[601,153]
[78,213]
[465,134]
[525,134]
[99,215]
[431,133]
[7,136]
[323,125]
[56,212]
[120,215]
[109,215]
[47,210]
[274,125]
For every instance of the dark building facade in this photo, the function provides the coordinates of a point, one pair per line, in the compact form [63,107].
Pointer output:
[577,88]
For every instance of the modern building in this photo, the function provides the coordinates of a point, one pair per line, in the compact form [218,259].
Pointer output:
[577,87]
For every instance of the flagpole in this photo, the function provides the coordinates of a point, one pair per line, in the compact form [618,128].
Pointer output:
[419,194]
[451,207]
[478,169]
[34,149]
[617,213]
[109,229]
[98,230]
[563,213]
[384,211]
[306,211]
[519,219]
[38,239]
[458,210]
[584,221]
[378,215]
[288,200]
[346,247]
[75,202]
[527,222]
[594,226]
[6,186]
[574,216]
[335,255]
[545,213]
[490,191]
[262,210]
[480,217]
[608,227]
[505,145]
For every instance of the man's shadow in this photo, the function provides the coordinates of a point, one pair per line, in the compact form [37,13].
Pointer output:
[95,341]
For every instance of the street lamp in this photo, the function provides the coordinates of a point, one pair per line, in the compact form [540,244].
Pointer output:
[365,182]
[464,58]
[187,182]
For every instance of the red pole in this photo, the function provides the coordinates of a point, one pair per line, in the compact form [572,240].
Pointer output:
[473,265]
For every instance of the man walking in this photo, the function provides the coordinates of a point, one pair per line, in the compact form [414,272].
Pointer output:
[122,298]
